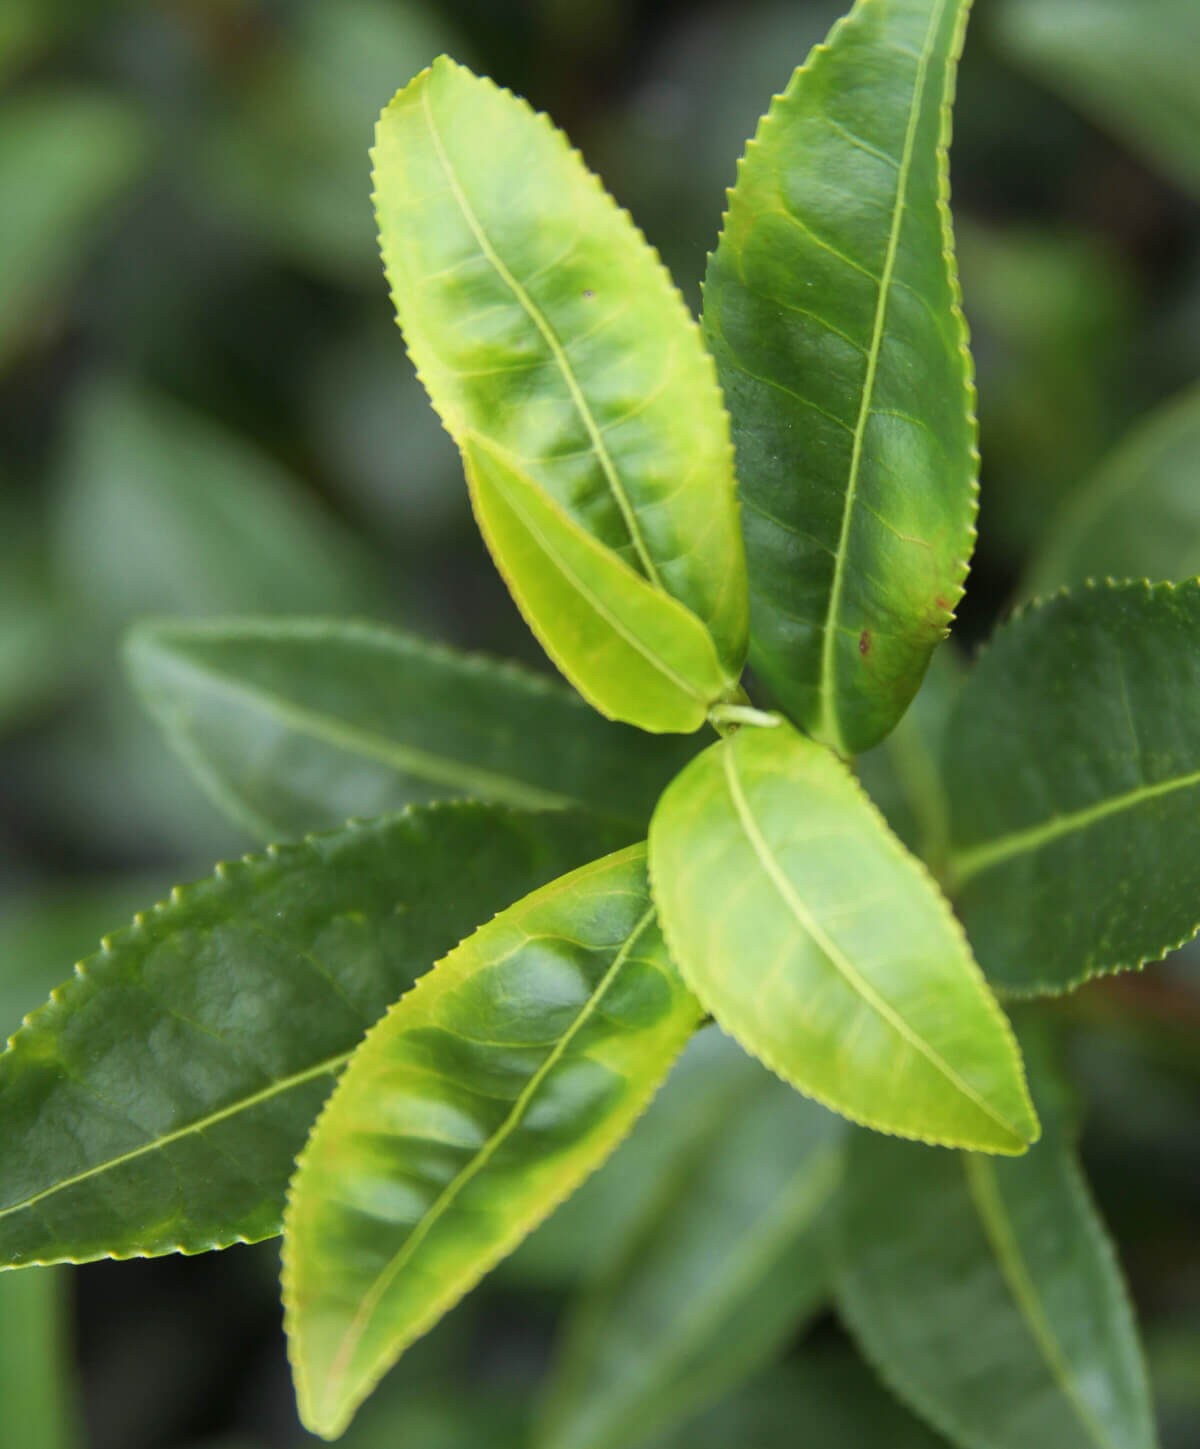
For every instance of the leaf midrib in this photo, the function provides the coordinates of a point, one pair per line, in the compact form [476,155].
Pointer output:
[371,1299]
[536,316]
[829,726]
[202,1124]
[965,864]
[404,758]
[615,623]
[998,1229]
[834,954]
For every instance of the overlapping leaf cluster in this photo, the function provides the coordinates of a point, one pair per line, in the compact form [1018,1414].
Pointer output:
[158,1102]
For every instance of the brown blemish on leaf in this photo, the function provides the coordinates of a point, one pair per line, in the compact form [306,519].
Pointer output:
[942,604]
[864,643]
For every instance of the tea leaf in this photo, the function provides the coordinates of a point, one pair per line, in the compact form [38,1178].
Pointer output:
[1139,518]
[988,1295]
[821,945]
[157,1103]
[1073,769]
[478,1103]
[725,1265]
[649,659]
[831,307]
[564,363]
[299,724]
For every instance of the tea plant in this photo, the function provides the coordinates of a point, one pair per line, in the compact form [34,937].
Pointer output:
[702,850]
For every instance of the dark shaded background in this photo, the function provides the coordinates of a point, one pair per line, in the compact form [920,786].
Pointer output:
[205,408]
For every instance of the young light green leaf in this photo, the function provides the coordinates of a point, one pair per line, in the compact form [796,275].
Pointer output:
[66,158]
[832,309]
[987,1293]
[157,1103]
[729,1260]
[822,946]
[35,1382]
[1139,518]
[1131,67]
[299,724]
[649,659]
[478,1103]
[1073,769]
[565,365]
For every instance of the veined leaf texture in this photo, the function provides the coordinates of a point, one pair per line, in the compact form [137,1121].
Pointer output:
[831,306]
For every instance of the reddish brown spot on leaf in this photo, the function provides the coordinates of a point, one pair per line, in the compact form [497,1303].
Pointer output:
[864,643]
[942,604]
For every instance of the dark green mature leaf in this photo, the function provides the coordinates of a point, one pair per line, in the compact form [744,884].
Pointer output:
[1140,515]
[823,947]
[66,157]
[1073,769]
[725,1265]
[156,1104]
[35,1385]
[1131,67]
[831,306]
[295,725]
[988,1295]
[479,1102]
[566,367]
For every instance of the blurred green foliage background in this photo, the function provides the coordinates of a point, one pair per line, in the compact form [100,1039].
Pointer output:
[205,409]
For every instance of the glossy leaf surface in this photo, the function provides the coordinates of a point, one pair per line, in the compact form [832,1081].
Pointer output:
[1139,518]
[1132,68]
[477,1104]
[822,946]
[831,307]
[1073,770]
[987,1293]
[295,725]
[157,1103]
[36,1391]
[725,1266]
[565,365]
[649,660]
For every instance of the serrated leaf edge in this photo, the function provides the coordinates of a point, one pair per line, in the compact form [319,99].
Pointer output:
[988,998]
[334,1426]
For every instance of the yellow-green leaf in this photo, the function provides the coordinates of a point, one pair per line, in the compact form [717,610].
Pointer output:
[824,948]
[478,1103]
[555,347]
